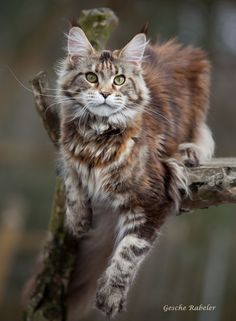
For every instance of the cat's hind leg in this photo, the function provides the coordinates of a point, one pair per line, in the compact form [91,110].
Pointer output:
[200,150]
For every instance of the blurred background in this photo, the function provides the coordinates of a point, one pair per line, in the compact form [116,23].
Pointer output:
[194,262]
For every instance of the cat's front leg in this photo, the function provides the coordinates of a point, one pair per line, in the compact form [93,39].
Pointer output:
[78,207]
[135,237]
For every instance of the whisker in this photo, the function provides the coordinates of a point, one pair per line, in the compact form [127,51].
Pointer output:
[78,115]
[31,91]
[56,103]
[152,112]
[82,115]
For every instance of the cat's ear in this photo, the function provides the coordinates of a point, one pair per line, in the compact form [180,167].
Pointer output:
[134,50]
[78,44]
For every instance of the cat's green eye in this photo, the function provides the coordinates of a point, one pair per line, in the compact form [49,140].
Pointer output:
[119,80]
[92,77]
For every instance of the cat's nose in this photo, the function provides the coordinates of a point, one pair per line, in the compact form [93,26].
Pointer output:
[105,94]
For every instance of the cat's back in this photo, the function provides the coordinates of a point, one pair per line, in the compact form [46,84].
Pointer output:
[172,57]
[178,82]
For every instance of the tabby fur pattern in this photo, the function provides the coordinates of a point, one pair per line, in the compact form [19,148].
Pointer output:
[126,144]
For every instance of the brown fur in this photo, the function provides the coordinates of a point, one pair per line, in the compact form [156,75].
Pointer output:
[131,165]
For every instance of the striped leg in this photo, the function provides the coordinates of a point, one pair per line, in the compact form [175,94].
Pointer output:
[131,249]
[78,209]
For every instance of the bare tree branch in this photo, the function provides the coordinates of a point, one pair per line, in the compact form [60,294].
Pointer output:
[40,86]
[48,287]
[212,184]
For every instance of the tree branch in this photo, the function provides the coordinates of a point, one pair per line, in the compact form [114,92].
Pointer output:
[40,86]
[212,184]
[49,286]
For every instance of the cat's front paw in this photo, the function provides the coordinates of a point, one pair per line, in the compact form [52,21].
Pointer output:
[110,298]
[189,154]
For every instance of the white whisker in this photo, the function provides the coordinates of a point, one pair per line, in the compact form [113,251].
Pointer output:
[153,112]
[66,101]
[31,91]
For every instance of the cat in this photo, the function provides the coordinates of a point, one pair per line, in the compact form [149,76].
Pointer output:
[131,120]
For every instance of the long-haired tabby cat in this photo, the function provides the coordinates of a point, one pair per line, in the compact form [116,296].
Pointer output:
[131,120]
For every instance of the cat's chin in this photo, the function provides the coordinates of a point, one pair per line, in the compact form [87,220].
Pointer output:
[103,110]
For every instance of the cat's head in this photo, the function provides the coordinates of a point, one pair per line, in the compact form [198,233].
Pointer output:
[105,83]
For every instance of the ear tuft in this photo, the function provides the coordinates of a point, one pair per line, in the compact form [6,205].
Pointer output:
[134,50]
[78,44]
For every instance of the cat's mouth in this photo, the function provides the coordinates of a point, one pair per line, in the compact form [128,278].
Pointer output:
[103,109]
[105,104]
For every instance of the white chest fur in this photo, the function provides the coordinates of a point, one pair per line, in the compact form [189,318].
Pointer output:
[97,180]
[93,180]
